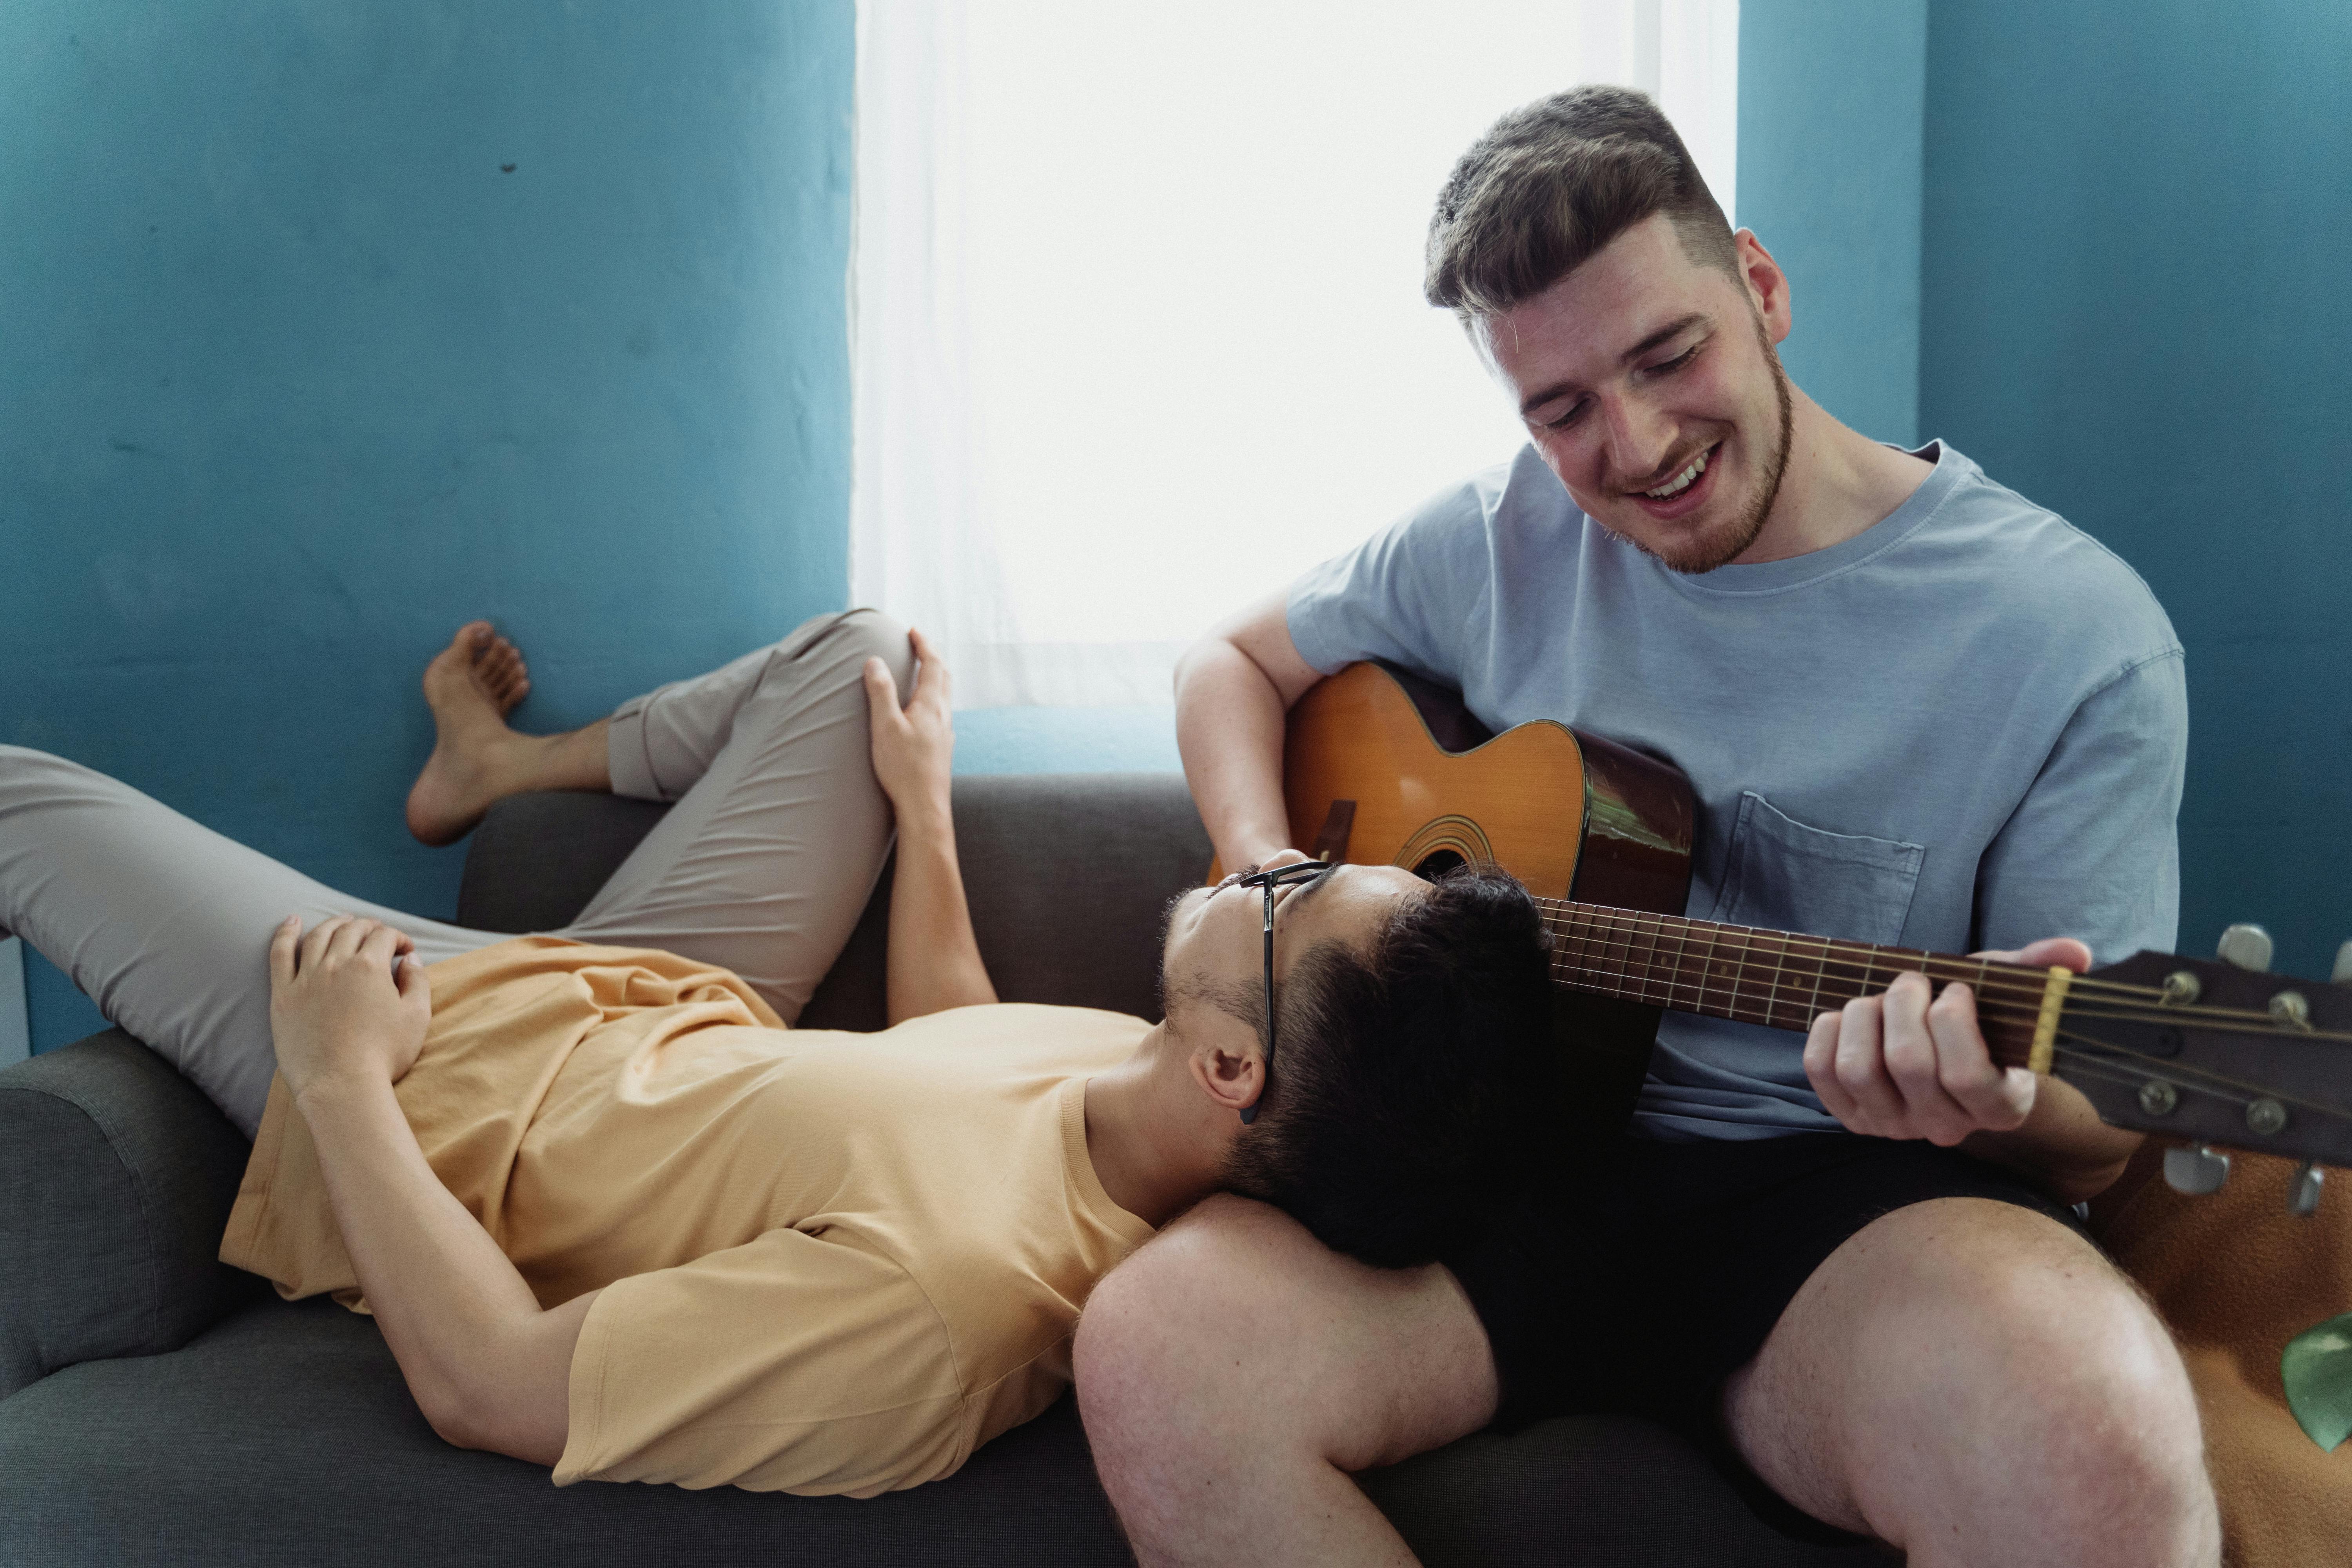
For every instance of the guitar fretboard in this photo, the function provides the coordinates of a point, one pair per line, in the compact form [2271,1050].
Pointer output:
[1774,978]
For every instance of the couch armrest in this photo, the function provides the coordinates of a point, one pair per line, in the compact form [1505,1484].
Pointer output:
[119,1176]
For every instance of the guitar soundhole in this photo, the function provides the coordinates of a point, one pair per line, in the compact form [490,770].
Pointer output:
[1436,865]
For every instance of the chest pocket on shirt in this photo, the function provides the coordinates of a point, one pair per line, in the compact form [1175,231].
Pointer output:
[1785,876]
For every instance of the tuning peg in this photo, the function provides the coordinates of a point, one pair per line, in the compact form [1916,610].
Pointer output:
[2248,947]
[2195,1170]
[2342,973]
[2303,1193]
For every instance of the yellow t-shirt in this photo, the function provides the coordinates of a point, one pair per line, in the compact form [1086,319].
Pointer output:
[831,1262]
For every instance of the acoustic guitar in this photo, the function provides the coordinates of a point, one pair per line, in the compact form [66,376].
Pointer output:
[1381,767]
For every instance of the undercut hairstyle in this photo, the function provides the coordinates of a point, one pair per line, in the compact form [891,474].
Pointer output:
[1550,185]
[1411,1080]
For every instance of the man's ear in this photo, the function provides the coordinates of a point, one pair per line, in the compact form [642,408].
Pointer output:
[1232,1079]
[1766,285]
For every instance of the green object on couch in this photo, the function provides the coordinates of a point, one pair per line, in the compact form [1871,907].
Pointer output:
[2318,1368]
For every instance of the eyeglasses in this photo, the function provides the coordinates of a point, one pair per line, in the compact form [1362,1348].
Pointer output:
[1303,872]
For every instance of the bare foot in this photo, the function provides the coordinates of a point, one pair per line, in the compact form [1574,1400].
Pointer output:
[471,686]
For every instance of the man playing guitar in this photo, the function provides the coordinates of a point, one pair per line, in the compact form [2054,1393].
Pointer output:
[1916,709]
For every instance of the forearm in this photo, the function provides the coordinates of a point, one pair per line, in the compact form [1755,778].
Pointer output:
[1229,730]
[488,1367]
[934,961]
[2062,1148]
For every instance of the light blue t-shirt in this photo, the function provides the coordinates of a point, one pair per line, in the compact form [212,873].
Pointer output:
[1963,728]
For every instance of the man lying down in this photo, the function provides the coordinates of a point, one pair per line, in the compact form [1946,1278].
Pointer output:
[614,1217]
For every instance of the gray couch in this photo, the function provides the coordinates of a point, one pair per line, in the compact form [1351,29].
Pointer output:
[156,1407]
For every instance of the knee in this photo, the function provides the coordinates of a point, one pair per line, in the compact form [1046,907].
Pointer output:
[2079,1375]
[1171,1352]
[2075,1328]
[830,650]
[1148,1339]
[2131,1434]
[870,633]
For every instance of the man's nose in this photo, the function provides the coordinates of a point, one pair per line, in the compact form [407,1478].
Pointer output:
[1638,436]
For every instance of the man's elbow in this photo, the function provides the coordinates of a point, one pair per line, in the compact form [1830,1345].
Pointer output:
[1207,652]
[453,1417]
[484,1420]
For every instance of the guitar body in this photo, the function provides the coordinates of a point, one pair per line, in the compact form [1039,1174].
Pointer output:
[1418,781]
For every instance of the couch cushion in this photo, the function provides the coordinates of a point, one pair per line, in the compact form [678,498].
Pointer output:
[286,1436]
[119,1177]
[1067,875]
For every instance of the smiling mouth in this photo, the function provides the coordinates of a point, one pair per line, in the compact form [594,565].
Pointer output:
[1685,479]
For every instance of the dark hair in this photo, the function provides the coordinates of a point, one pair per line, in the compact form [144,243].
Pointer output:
[1408,1076]
[1550,184]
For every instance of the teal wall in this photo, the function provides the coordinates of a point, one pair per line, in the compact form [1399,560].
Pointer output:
[1832,111]
[2137,309]
[296,374]
[294,377]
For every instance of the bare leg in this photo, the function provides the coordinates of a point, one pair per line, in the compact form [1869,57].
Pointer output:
[1234,1372]
[471,686]
[1974,1384]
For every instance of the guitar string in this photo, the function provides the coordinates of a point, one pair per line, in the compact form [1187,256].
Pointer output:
[1642,924]
[2030,983]
[2215,1084]
[2027,981]
[1741,993]
[1823,948]
[1716,960]
[1731,985]
[2204,1079]
[1737,970]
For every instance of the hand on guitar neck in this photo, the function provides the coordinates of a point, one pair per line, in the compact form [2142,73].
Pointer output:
[1910,1063]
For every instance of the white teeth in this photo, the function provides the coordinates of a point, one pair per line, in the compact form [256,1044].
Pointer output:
[1680,481]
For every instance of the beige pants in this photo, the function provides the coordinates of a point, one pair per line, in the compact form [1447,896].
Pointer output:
[763,866]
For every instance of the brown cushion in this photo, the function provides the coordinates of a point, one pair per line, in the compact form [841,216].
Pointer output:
[2237,1277]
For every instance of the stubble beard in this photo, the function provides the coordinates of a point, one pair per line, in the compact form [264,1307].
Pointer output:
[1710,551]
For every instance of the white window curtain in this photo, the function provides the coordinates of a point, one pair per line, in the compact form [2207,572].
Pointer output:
[1136,299]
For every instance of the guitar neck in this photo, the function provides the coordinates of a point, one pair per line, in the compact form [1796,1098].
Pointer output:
[1778,979]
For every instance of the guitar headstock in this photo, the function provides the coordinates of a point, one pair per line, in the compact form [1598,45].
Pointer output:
[2214,1052]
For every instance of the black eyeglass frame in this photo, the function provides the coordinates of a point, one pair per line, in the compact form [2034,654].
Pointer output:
[1299,871]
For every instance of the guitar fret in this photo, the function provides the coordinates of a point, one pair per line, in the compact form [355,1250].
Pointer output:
[1650,964]
[1774,997]
[1738,966]
[1707,962]
[1682,944]
[1749,953]
[1748,958]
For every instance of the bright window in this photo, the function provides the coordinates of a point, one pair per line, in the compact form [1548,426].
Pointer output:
[1139,314]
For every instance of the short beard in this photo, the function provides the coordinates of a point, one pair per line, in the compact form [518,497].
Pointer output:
[1709,553]
[1243,1002]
